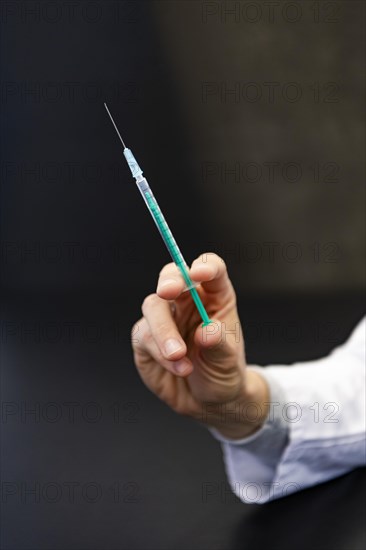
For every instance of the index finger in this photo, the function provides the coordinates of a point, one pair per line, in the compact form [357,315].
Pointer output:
[171,283]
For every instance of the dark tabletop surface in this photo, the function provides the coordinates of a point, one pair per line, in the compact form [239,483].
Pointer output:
[101,464]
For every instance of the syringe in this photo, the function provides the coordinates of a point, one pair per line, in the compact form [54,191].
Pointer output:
[162,225]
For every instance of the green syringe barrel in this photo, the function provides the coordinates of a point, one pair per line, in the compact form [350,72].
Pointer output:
[171,244]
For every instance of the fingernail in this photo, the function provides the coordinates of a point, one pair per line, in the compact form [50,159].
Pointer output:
[181,367]
[166,282]
[172,345]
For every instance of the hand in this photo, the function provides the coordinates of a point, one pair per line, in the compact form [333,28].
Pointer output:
[199,371]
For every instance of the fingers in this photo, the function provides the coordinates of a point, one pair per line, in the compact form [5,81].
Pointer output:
[160,338]
[211,271]
[146,350]
[170,283]
[159,341]
[208,269]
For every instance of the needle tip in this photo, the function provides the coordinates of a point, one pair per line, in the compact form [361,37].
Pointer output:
[114,124]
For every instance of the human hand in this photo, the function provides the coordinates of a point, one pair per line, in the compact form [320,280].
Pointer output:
[199,371]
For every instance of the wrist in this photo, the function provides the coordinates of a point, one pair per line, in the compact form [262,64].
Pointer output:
[247,413]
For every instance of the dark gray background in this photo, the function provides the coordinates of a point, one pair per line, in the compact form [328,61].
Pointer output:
[79,250]
[64,180]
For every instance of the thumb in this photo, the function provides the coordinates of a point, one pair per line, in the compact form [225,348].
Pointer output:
[214,344]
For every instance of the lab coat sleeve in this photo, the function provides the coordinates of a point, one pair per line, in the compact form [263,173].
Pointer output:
[315,429]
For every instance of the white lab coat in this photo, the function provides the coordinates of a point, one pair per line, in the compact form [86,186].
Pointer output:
[315,430]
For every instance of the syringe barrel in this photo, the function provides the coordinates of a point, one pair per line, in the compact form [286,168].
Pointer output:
[171,245]
[164,230]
